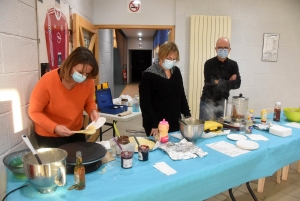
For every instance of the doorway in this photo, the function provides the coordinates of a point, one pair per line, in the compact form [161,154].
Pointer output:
[140,61]
[171,37]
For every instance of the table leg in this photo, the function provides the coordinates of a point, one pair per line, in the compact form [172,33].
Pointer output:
[260,185]
[278,175]
[251,192]
[231,195]
[285,172]
[101,134]
[114,132]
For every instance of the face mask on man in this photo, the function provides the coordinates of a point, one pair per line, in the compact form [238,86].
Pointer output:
[222,53]
[77,77]
[168,64]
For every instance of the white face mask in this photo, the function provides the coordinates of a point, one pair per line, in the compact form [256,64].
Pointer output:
[222,53]
[168,64]
[77,77]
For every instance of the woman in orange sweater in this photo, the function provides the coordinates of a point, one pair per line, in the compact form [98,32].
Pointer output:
[59,98]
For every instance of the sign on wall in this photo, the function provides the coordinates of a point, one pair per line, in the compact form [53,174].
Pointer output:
[270,47]
[53,31]
[133,6]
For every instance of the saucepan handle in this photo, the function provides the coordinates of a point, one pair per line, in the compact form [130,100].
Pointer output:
[62,170]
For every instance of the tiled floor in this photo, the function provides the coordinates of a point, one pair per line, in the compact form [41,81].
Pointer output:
[285,191]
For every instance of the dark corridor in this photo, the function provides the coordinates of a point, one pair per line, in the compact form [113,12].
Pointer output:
[141,60]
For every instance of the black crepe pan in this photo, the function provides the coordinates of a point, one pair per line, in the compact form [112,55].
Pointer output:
[92,153]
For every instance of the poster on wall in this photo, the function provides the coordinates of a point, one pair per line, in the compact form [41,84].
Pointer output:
[53,33]
[270,47]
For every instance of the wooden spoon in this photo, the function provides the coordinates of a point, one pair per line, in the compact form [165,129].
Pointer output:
[90,131]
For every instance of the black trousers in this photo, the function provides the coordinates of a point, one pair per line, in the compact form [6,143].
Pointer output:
[55,142]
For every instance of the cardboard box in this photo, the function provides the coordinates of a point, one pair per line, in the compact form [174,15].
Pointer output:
[105,103]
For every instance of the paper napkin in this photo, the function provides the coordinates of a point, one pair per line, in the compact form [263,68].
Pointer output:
[164,168]
[106,144]
[257,137]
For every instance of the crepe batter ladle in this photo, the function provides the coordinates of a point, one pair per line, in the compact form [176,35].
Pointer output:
[26,140]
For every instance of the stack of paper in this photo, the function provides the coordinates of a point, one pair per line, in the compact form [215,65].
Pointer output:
[164,168]
[293,124]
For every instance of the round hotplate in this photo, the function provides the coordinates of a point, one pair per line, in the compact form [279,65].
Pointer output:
[91,152]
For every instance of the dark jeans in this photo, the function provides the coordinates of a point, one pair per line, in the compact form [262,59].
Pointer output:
[54,142]
[210,110]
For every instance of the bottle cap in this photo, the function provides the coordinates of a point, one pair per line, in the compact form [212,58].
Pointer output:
[78,153]
[164,122]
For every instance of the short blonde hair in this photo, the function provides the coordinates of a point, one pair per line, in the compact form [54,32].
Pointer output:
[166,48]
[81,55]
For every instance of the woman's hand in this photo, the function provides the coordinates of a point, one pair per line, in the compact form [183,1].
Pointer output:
[94,115]
[154,131]
[62,131]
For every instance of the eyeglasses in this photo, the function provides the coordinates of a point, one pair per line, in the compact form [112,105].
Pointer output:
[223,48]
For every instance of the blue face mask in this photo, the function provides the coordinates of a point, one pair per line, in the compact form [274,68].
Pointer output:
[77,77]
[168,64]
[222,53]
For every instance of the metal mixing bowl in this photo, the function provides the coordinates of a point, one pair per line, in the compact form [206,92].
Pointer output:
[14,163]
[51,173]
[193,130]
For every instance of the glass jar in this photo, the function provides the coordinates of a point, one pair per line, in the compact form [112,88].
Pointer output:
[123,141]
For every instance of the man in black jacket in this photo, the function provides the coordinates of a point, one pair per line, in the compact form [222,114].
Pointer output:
[221,74]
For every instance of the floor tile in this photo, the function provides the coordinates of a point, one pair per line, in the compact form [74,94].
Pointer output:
[279,196]
[241,196]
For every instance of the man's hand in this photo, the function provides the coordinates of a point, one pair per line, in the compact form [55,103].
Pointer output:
[233,77]
[216,81]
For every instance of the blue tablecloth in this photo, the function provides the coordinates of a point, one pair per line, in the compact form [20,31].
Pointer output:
[196,179]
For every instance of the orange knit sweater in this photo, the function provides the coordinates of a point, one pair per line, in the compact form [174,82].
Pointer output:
[51,104]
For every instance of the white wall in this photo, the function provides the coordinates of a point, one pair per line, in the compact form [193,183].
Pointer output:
[19,67]
[263,83]
[152,12]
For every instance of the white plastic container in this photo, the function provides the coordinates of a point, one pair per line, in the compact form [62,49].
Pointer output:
[280,131]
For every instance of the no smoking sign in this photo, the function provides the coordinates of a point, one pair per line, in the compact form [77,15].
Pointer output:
[133,6]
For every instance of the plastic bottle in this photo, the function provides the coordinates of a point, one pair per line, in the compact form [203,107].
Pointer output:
[163,128]
[79,172]
[249,125]
[136,104]
[251,115]
[277,111]
[264,114]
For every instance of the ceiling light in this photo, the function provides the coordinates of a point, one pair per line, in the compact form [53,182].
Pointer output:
[140,38]
[140,34]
